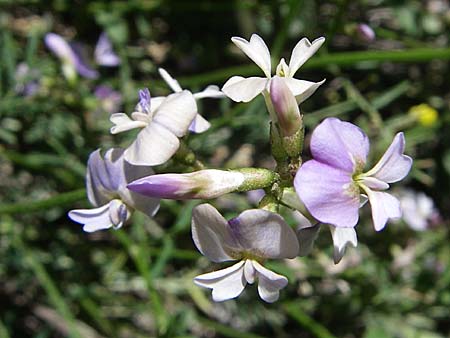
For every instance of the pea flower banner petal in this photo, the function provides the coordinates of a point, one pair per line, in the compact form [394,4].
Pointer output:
[199,124]
[330,184]
[162,124]
[251,237]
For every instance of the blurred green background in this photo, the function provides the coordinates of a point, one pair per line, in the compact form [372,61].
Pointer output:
[56,281]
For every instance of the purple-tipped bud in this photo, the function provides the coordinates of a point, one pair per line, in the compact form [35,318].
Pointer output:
[285,105]
[203,184]
[365,32]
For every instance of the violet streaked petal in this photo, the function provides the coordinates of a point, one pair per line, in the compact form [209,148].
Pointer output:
[145,100]
[171,82]
[154,145]
[211,234]
[199,125]
[204,184]
[328,193]
[177,112]
[211,91]
[342,237]
[96,180]
[302,89]
[122,123]
[104,176]
[340,145]
[241,89]
[256,49]
[302,51]
[226,283]
[269,283]
[264,234]
[384,206]
[393,165]
[147,205]
[104,54]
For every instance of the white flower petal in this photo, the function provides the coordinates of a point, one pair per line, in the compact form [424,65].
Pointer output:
[113,214]
[154,145]
[241,89]
[375,183]
[264,234]
[393,165]
[226,283]
[384,206]
[302,89]
[176,112]
[302,52]
[123,123]
[269,283]
[249,271]
[256,49]
[211,91]
[199,125]
[211,234]
[171,82]
[342,237]
[155,102]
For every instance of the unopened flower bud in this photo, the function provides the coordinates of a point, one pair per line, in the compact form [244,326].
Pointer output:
[202,184]
[288,113]
[365,32]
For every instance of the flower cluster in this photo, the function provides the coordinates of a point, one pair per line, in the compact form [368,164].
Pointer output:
[330,188]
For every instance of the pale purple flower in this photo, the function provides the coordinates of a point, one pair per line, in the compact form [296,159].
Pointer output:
[419,211]
[104,54]
[242,89]
[162,121]
[72,62]
[199,125]
[251,238]
[110,99]
[106,182]
[27,80]
[204,184]
[331,183]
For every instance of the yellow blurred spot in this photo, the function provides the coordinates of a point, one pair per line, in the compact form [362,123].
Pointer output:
[425,114]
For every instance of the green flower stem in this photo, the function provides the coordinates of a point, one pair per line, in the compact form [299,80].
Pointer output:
[60,200]
[295,311]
